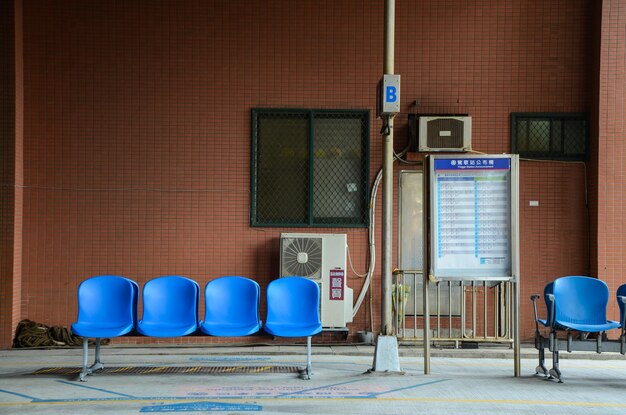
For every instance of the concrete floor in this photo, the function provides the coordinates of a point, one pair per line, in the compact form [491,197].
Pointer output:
[462,382]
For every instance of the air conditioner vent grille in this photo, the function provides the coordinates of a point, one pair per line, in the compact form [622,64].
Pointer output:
[451,133]
[444,133]
[302,257]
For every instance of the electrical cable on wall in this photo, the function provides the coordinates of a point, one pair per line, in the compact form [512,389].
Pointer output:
[371,233]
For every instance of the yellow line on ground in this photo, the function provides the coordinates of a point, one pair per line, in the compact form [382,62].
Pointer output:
[512,401]
[521,402]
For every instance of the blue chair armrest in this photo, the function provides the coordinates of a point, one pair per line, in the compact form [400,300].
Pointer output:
[534,299]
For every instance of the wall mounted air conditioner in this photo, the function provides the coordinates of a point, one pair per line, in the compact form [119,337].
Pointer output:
[321,258]
[445,133]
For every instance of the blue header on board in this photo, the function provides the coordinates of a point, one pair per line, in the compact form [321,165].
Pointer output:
[478,163]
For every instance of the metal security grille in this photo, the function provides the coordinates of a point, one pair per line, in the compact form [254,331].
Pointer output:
[310,167]
[549,136]
[460,311]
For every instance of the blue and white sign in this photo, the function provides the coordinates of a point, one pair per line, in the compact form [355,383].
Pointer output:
[472,217]
[390,95]
[472,163]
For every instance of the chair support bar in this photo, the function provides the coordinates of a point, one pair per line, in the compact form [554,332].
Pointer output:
[97,364]
[85,370]
[307,372]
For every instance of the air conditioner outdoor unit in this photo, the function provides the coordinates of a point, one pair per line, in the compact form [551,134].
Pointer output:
[321,258]
[445,133]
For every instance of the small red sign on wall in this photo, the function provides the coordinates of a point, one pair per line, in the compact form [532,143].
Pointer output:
[337,277]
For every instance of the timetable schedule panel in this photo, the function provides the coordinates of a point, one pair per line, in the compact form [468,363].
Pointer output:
[471,217]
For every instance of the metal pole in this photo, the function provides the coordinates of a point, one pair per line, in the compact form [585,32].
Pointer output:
[386,356]
[426,270]
[386,315]
[516,267]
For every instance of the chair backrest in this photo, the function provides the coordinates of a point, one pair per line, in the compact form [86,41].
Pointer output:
[621,292]
[232,300]
[108,300]
[135,294]
[170,300]
[580,300]
[135,300]
[293,300]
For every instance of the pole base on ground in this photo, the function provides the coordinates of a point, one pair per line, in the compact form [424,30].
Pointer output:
[386,358]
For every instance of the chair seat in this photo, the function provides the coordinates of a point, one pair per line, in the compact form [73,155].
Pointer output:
[589,328]
[165,330]
[229,330]
[292,330]
[98,330]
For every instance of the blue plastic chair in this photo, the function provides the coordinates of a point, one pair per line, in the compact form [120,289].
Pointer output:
[573,303]
[170,307]
[135,301]
[107,307]
[580,304]
[293,310]
[231,307]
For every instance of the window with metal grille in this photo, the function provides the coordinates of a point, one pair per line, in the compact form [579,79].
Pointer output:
[555,136]
[310,168]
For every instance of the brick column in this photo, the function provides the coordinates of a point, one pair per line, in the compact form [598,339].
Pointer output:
[610,251]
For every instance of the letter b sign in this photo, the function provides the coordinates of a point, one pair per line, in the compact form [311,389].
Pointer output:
[390,94]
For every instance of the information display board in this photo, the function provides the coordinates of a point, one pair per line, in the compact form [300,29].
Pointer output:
[473,217]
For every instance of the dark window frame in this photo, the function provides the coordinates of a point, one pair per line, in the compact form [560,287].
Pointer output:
[550,117]
[360,222]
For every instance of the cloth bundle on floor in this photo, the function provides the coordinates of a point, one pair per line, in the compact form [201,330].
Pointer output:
[32,334]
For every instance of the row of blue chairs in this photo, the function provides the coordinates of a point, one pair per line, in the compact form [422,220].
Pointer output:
[577,304]
[107,307]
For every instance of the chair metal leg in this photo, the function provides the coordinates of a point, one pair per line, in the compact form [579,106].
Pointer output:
[555,372]
[307,372]
[97,364]
[541,368]
[86,371]
[539,345]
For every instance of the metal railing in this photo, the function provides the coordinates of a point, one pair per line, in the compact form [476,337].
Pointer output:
[460,310]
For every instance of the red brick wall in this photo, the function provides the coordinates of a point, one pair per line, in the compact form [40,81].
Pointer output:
[491,58]
[137,125]
[138,133]
[611,204]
